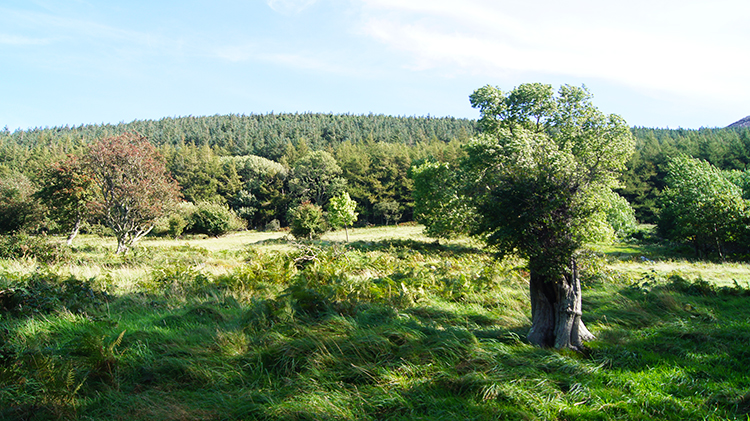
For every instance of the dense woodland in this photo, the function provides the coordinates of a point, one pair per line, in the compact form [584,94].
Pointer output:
[254,163]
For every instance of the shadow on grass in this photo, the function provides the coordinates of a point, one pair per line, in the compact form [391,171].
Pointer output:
[664,352]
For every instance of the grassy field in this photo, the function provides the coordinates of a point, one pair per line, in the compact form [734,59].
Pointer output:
[253,326]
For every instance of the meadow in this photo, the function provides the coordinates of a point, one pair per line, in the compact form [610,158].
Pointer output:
[389,326]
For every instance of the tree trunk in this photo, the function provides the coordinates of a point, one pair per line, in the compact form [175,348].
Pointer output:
[556,310]
[74,232]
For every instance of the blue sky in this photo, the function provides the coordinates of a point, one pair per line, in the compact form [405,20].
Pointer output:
[657,63]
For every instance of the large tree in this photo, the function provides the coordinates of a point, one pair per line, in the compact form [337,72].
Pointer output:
[537,173]
[133,185]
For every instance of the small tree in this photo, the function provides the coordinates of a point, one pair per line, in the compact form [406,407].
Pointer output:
[133,186]
[67,190]
[307,221]
[389,210]
[341,212]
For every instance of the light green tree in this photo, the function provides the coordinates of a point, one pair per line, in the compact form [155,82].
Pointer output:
[535,177]
[700,205]
[342,212]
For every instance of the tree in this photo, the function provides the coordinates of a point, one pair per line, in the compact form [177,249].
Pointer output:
[307,221]
[389,210]
[341,212]
[316,177]
[439,203]
[19,209]
[535,178]
[700,205]
[67,190]
[133,186]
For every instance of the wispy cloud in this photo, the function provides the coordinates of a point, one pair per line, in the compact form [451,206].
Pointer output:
[674,46]
[16,40]
[290,6]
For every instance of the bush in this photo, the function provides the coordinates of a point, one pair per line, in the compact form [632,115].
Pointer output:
[18,207]
[273,226]
[213,219]
[23,246]
[308,221]
[177,225]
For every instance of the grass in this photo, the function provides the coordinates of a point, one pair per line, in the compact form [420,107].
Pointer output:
[389,326]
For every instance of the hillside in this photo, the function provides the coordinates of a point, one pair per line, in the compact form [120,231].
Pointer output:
[266,135]
[745,122]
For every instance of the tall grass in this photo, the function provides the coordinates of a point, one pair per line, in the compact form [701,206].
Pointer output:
[379,328]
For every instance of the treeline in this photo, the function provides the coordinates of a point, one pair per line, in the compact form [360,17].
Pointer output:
[261,166]
[645,177]
[266,135]
[252,163]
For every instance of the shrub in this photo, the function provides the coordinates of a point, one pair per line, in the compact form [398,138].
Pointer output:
[18,207]
[307,221]
[274,225]
[23,246]
[213,219]
[177,225]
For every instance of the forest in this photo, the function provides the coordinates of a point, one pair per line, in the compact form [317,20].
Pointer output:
[373,153]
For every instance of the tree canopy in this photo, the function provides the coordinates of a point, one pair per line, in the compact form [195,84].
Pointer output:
[133,186]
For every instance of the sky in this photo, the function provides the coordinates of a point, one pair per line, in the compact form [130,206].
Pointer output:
[657,63]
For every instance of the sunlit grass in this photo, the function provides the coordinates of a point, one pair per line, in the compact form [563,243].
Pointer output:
[388,327]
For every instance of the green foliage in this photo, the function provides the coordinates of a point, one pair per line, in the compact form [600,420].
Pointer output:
[341,211]
[620,215]
[24,246]
[263,197]
[536,178]
[701,206]
[202,175]
[133,186]
[66,190]
[46,292]
[378,172]
[177,225]
[726,149]
[213,219]
[316,177]
[389,211]
[307,221]
[438,202]
[19,208]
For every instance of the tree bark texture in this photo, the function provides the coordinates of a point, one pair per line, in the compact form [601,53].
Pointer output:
[556,310]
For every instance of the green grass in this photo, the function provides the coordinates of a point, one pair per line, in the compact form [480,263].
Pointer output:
[389,326]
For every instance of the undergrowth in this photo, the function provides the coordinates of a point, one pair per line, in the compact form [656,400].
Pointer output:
[379,330]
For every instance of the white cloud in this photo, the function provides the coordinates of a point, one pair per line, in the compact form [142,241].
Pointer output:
[21,40]
[669,46]
[289,6]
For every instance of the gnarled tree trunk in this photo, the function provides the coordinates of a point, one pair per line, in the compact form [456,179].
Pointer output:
[556,310]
